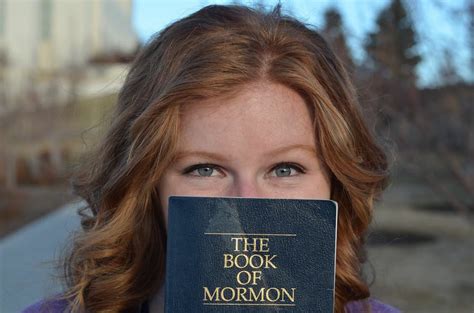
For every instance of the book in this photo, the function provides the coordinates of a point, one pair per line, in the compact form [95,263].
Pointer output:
[232,254]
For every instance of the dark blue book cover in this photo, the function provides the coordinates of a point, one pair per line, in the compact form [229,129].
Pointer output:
[230,254]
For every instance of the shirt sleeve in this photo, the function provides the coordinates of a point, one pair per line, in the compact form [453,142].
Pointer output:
[43,306]
[375,305]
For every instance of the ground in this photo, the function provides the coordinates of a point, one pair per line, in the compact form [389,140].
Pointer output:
[426,262]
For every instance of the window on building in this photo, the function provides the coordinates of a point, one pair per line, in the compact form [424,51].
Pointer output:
[45,19]
[2,17]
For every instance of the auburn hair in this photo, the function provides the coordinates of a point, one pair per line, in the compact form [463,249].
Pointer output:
[117,260]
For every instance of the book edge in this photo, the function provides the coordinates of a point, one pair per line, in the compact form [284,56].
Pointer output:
[252,198]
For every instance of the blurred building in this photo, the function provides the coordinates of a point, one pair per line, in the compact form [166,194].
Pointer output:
[45,44]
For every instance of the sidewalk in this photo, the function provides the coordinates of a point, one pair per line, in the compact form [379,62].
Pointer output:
[25,274]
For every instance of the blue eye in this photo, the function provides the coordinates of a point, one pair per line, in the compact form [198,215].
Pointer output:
[205,171]
[202,170]
[284,169]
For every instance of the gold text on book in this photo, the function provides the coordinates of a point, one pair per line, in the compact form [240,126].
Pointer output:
[250,256]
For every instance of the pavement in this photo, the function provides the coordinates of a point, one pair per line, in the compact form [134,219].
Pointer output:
[26,271]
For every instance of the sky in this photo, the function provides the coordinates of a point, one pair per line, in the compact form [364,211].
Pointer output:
[440,25]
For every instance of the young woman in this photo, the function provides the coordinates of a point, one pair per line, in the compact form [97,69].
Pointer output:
[229,101]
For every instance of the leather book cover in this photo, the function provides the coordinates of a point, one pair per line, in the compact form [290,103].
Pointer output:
[231,254]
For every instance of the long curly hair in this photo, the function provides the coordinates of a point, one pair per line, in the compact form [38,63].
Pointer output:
[117,260]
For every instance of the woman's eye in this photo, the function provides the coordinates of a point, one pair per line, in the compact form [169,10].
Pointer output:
[285,170]
[201,170]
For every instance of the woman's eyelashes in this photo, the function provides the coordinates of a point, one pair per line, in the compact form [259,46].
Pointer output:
[201,170]
[283,169]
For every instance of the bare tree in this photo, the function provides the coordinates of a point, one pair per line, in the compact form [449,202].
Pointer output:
[431,126]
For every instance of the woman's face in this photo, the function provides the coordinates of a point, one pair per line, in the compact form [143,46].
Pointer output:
[257,144]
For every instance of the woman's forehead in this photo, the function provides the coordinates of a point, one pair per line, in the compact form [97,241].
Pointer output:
[265,115]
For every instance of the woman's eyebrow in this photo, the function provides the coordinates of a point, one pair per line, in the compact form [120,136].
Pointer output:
[204,154]
[218,157]
[307,148]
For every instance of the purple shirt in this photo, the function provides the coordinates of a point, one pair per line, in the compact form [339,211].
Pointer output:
[352,307]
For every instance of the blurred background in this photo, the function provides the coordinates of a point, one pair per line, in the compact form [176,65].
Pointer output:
[62,63]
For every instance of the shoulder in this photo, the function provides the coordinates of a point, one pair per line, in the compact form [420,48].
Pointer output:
[379,307]
[49,305]
[375,305]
